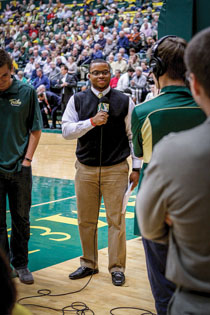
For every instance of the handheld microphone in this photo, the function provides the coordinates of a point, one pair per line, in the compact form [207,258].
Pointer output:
[103,104]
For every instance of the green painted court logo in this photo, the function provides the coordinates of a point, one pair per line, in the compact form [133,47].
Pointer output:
[53,220]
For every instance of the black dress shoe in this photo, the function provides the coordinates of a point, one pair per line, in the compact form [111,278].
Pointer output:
[82,272]
[118,278]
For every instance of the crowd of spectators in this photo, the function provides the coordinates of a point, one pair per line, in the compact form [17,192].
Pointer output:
[43,37]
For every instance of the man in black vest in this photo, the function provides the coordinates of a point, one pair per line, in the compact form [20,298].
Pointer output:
[103,145]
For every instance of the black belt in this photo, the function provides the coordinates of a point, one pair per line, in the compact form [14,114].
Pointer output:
[200,293]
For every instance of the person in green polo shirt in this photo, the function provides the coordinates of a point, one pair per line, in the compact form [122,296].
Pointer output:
[20,131]
[172,110]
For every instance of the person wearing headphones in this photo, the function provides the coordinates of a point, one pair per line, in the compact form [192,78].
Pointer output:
[173,109]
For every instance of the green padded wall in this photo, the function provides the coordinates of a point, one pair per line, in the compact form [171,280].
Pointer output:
[183,18]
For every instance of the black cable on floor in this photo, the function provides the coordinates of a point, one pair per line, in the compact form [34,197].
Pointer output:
[79,308]
[146,312]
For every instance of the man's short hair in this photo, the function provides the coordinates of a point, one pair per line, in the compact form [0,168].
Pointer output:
[197,58]
[127,91]
[65,67]
[21,73]
[99,61]
[171,52]
[132,50]
[5,59]
[139,68]
[39,69]
[130,69]
[41,88]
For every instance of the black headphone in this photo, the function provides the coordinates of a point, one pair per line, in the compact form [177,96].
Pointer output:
[157,65]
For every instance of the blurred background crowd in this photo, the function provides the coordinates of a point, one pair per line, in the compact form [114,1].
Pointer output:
[52,44]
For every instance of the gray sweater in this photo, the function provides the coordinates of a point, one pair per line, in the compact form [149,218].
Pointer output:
[177,182]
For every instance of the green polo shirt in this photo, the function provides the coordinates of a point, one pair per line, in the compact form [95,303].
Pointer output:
[19,115]
[173,110]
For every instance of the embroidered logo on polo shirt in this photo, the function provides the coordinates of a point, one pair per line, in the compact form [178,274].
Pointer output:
[15,102]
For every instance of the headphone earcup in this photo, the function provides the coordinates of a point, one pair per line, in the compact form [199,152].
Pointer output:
[155,66]
[158,66]
[161,66]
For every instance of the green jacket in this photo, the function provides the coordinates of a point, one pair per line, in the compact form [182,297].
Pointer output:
[172,110]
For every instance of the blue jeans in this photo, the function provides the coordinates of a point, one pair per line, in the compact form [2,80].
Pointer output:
[162,289]
[18,187]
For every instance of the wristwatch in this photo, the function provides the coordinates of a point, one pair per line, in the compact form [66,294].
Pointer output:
[136,170]
[27,159]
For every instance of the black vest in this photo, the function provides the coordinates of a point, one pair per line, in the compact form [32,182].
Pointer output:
[115,146]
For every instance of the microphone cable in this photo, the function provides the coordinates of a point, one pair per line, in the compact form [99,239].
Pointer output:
[80,308]
[146,312]
[77,307]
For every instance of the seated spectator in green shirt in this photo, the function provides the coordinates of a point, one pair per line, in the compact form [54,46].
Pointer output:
[20,76]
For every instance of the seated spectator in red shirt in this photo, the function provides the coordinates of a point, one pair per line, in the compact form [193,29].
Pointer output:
[51,15]
[114,80]
[32,29]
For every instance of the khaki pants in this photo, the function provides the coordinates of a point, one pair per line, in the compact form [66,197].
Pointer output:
[112,186]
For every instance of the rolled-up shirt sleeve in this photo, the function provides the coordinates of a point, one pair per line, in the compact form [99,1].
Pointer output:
[72,127]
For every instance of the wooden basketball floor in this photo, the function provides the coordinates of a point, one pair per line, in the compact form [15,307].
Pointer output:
[55,157]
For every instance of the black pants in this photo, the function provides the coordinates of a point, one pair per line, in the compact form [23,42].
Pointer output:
[17,186]
[162,289]
[53,115]
[44,118]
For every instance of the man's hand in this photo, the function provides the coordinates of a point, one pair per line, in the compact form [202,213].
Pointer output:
[168,220]
[100,118]
[26,163]
[134,178]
